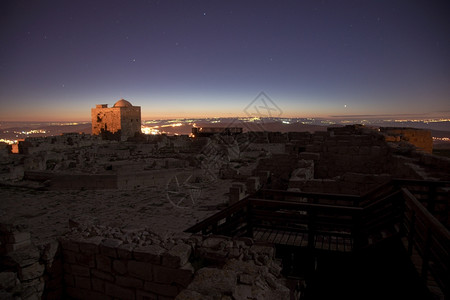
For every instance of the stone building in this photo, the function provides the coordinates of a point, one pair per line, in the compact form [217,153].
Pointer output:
[119,122]
[419,138]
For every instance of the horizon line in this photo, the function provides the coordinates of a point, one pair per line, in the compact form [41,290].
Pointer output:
[411,117]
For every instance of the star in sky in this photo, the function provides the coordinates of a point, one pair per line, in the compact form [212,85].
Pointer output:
[210,58]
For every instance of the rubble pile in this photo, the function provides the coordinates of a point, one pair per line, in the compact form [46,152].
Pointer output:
[128,263]
[234,269]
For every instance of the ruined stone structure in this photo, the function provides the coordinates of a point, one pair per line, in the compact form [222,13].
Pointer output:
[420,138]
[210,131]
[119,122]
[119,260]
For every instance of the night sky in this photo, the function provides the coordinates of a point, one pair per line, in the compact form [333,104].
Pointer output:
[212,58]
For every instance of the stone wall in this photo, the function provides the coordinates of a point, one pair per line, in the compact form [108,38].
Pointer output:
[340,154]
[99,262]
[116,122]
[74,181]
[108,263]
[33,145]
[105,263]
[27,271]
[280,167]
[130,121]
[348,183]
[151,178]
[275,148]
[420,138]
[118,180]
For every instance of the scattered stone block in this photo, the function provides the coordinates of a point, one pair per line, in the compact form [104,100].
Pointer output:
[149,253]
[166,275]
[244,267]
[243,292]
[17,246]
[191,295]
[31,272]
[69,244]
[263,250]
[125,251]
[17,237]
[8,280]
[50,251]
[23,257]
[91,245]
[109,247]
[214,241]
[214,281]
[253,184]
[246,279]
[177,256]
[246,240]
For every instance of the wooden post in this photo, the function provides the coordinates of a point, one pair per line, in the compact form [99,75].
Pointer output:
[357,232]
[249,220]
[426,256]
[311,228]
[431,198]
[411,233]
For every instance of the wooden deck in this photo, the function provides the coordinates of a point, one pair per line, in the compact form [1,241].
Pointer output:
[347,223]
[300,239]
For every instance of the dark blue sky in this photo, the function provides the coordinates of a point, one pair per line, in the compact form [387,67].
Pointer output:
[212,58]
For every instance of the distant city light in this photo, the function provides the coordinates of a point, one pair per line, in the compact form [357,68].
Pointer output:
[173,125]
[9,142]
[35,131]
[150,130]
[441,139]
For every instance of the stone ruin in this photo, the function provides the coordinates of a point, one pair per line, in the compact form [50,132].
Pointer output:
[93,261]
[97,262]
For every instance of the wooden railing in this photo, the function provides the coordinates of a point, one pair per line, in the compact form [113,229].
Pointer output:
[310,218]
[221,222]
[431,240]
[357,217]
[320,198]
[433,195]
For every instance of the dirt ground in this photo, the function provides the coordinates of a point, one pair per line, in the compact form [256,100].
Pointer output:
[47,213]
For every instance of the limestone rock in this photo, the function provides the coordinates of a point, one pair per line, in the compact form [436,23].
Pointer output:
[212,281]
[192,295]
[177,256]
[50,250]
[32,271]
[8,280]
[24,257]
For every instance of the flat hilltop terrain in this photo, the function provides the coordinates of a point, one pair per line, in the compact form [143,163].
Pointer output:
[47,213]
